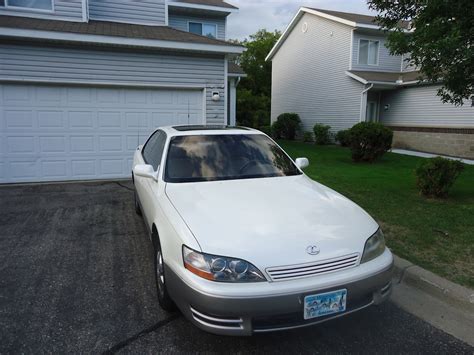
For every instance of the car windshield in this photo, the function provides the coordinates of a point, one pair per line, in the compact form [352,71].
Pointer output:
[225,157]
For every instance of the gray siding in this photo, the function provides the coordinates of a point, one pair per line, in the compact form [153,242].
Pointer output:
[387,62]
[131,11]
[419,106]
[180,22]
[63,9]
[71,65]
[308,75]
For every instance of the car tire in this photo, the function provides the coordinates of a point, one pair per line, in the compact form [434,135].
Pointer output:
[164,298]
[138,210]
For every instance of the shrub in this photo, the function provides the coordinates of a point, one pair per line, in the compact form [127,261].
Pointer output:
[286,126]
[321,134]
[369,141]
[307,137]
[434,177]
[343,137]
[267,130]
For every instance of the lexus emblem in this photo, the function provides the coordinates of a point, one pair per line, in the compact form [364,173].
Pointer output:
[312,250]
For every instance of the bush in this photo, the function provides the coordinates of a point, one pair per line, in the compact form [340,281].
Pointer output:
[321,134]
[434,177]
[286,126]
[369,141]
[307,137]
[267,130]
[344,138]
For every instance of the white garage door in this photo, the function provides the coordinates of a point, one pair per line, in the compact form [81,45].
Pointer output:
[52,133]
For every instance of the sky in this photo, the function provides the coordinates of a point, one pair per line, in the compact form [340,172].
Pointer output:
[276,14]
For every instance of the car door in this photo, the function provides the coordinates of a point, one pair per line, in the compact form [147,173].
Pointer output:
[152,153]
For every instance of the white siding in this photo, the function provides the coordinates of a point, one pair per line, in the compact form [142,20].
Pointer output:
[308,75]
[180,22]
[150,12]
[56,64]
[387,62]
[419,106]
[63,9]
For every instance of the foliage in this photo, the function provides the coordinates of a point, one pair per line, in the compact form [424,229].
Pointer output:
[286,126]
[267,130]
[369,141]
[307,137]
[434,177]
[441,41]
[321,134]
[411,223]
[343,137]
[254,91]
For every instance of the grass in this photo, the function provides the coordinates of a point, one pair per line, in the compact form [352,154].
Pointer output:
[435,234]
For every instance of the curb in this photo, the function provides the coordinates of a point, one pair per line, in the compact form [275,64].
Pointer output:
[436,286]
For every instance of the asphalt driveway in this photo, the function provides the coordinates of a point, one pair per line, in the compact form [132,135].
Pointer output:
[76,275]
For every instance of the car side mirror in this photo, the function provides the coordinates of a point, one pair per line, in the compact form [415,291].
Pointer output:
[146,171]
[302,162]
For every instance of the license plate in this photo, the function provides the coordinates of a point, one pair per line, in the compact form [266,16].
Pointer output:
[323,304]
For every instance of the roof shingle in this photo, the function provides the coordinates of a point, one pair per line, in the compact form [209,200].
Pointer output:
[217,3]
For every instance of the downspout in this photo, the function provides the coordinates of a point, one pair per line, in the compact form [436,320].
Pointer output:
[362,102]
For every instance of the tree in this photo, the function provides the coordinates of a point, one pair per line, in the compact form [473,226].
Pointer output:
[440,41]
[254,91]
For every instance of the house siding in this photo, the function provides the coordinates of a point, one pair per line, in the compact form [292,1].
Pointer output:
[308,75]
[180,22]
[63,10]
[387,62]
[150,12]
[420,106]
[31,63]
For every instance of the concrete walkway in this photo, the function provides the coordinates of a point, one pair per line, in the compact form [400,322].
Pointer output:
[429,155]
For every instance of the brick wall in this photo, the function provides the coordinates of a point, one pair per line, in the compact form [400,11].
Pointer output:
[444,141]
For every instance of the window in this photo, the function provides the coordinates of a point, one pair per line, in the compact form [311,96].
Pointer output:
[225,157]
[203,29]
[153,150]
[368,52]
[29,4]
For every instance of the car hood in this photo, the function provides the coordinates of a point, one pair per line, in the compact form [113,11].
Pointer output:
[271,221]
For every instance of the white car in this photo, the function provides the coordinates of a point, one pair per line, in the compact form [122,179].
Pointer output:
[244,241]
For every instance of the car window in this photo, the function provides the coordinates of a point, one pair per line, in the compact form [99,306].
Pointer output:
[153,149]
[196,158]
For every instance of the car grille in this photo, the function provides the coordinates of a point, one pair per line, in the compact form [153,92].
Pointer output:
[290,272]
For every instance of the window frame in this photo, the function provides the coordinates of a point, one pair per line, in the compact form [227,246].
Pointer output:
[202,27]
[158,131]
[368,51]
[27,9]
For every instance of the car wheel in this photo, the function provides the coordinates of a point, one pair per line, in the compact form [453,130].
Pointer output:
[164,298]
[138,210]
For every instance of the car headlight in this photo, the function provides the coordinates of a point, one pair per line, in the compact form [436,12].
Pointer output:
[374,246]
[220,268]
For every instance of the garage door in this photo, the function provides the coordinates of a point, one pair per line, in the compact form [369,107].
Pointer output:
[52,133]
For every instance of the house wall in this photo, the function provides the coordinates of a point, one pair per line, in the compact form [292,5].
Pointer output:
[387,62]
[308,75]
[151,12]
[180,22]
[422,122]
[62,10]
[31,63]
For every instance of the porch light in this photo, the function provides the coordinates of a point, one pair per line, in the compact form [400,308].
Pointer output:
[386,107]
[216,96]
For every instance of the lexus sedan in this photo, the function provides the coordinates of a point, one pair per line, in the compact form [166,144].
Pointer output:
[244,241]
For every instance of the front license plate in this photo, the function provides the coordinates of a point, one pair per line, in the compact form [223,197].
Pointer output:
[324,304]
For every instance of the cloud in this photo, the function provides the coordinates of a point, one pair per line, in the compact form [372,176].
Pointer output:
[276,14]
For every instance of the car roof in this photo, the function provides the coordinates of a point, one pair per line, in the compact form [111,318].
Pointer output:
[192,130]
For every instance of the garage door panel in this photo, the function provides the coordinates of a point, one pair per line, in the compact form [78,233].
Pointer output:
[52,133]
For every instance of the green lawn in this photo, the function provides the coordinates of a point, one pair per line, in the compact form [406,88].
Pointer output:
[435,234]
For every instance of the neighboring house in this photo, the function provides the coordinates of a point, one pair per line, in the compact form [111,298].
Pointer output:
[82,82]
[334,68]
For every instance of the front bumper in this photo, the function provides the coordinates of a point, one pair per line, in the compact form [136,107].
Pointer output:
[244,316]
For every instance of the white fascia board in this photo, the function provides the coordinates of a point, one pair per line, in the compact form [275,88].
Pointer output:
[358,78]
[236,75]
[124,41]
[330,17]
[202,7]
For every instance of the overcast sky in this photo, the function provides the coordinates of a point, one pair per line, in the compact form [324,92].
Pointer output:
[276,14]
